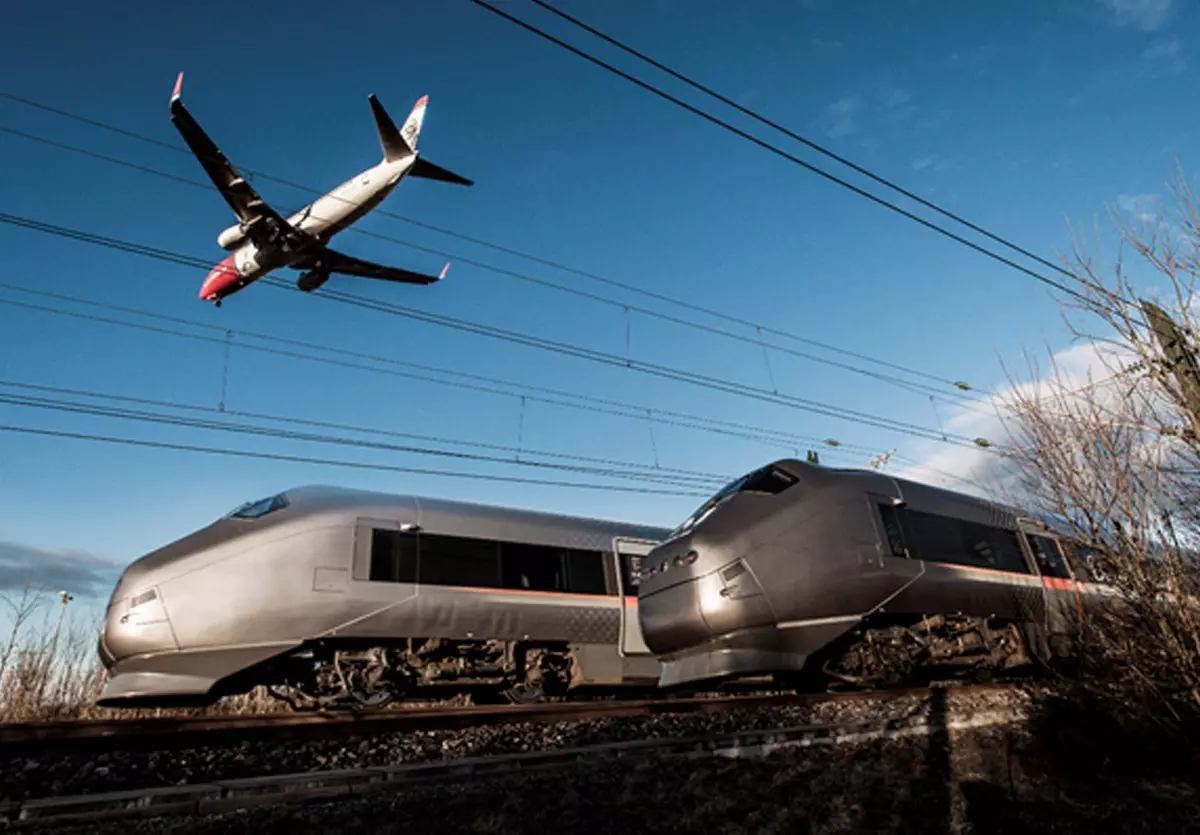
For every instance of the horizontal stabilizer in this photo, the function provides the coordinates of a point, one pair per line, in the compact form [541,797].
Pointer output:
[427,170]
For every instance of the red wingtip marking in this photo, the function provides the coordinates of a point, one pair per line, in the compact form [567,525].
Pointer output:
[445,270]
[178,87]
[421,101]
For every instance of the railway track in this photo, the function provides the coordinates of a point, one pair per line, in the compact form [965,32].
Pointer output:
[166,733]
[219,796]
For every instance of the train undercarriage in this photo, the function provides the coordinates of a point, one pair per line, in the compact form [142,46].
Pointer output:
[880,654]
[334,675]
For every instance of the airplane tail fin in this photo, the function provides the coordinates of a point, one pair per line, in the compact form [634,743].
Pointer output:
[398,144]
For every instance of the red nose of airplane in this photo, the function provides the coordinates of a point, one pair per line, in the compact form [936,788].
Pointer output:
[219,280]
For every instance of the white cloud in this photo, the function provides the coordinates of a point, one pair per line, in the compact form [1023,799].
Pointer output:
[898,97]
[933,162]
[841,117]
[983,473]
[1144,207]
[822,43]
[1147,15]
[1165,56]
[47,569]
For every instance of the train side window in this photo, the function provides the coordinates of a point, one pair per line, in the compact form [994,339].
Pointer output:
[891,526]
[1049,561]
[1082,561]
[631,573]
[942,539]
[995,548]
[459,561]
[531,567]
[393,557]
[585,572]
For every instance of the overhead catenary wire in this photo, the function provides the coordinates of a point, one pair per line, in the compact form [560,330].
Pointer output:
[808,142]
[272,456]
[566,349]
[782,153]
[543,394]
[628,466]
[769,437]
[711,482]
[920,388]
[478,241]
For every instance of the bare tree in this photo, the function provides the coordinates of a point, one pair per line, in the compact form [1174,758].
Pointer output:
[1117,457]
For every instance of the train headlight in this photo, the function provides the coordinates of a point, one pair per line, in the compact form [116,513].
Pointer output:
[665,565]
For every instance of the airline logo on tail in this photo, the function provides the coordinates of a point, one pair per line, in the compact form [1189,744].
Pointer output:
[412,125]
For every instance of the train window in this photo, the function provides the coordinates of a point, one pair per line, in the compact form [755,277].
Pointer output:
[769,480]
[1082,561]
[1049,561]
[531,567]
[585,572]
[631,573]
[942,539]
[393,557]
[257,509]
[459,561]
[891,526]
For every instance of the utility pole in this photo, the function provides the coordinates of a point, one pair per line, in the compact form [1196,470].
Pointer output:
[1179,358]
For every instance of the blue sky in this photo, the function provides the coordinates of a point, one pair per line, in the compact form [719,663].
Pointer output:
[1020,116]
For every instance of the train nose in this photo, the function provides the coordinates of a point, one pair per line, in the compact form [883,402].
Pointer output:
[696,592]
[136,625]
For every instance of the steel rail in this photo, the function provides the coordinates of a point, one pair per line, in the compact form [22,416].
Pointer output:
[221,796]
[168,733]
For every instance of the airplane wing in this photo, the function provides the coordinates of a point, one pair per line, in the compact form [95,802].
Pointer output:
[336,262]
[262,223]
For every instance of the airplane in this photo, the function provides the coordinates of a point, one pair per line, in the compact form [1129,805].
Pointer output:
[263,241]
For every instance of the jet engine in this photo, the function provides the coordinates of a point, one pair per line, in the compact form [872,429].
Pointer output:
[231,237]
[311,280]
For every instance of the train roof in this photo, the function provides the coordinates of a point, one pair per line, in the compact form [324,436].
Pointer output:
[324,497]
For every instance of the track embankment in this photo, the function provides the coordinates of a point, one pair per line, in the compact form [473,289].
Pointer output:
[240,750]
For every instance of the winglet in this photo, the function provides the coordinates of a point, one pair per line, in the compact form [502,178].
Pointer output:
[178,88]
[445,270]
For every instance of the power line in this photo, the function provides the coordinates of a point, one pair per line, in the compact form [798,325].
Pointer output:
[566,349]
[337,463]
[657,472]
[542,394]
[478,241]
[762,435]
[76,407]
[759,117]
[919,388]
[782,153]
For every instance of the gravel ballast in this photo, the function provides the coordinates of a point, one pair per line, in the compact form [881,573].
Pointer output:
[980,781]
[35,777]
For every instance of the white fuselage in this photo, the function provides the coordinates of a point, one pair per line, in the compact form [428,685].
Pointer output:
[323,218]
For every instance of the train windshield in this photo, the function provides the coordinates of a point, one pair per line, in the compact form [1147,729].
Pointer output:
[257,509]
[770,479]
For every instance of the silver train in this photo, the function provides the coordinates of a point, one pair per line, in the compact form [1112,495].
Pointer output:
[332,597]
[816,575]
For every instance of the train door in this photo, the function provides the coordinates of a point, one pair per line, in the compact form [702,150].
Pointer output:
[630,553]
[1057,586]
[384,575]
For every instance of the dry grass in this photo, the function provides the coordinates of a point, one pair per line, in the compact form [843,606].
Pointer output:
[50,668]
